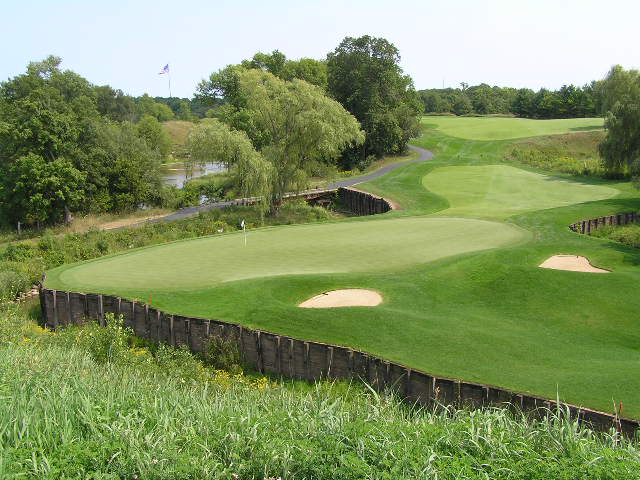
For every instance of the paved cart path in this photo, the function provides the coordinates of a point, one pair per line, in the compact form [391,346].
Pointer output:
[348,182]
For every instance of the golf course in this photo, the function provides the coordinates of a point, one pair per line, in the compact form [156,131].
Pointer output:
[457,268]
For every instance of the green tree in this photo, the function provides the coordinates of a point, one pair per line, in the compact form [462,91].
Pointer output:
[56,114]
[292,125]
[184,111]
[155,136]
[365,77]
[621,99]
[148,106]
[35,190]
[462,105]
[114,104]
[214,141]
[307,69]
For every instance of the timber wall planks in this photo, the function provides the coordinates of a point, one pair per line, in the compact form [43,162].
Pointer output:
[290,357]
[592,224]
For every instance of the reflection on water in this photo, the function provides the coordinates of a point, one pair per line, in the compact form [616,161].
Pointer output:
[175,173]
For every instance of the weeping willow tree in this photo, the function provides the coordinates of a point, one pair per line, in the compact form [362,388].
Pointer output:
[621,101]
[214,140]
[293,125]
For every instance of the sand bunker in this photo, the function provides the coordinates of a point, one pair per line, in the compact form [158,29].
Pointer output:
[352,297]
[573,263]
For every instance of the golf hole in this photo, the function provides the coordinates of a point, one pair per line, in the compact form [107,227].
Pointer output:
[572,263]
[351,297]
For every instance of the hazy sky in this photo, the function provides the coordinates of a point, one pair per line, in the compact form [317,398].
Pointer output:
[507,43]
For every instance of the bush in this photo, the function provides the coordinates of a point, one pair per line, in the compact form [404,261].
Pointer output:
[627,234]
[108,344]
[224,354]
[13,282]
[18,252]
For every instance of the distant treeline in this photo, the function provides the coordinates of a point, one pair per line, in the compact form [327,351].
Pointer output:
[119,107]
[567,102]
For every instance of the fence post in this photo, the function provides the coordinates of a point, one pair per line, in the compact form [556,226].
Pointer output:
[101,311]
[55,309]
[69,316]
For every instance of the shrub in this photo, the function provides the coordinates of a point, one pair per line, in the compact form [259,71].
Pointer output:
[180,363]
[627,234]
[12,283]
[108,344]
[224,354]
[19,252]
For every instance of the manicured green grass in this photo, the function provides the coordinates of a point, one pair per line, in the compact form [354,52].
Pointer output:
[502,128]
[490,316]
[500,191]
[339,247]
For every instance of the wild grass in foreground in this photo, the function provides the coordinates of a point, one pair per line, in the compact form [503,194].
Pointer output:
[73,408]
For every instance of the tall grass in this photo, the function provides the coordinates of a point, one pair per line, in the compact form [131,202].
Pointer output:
[68,413]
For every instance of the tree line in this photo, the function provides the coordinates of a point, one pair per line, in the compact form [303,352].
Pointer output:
[569,101]
[67,145]
[363,74]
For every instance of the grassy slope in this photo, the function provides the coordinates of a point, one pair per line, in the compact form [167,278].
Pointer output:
[63,415]
[501,128]
[178,130]
[492,316]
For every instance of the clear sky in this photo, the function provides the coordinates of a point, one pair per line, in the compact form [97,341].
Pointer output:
[515,43]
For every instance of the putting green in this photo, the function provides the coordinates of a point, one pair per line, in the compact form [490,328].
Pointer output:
[315,248]
[500,191]
[502,128]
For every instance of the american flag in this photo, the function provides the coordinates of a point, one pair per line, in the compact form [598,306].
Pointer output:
[164,70]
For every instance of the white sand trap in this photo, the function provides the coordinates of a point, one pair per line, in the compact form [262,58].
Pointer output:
[573,263]
[351,297]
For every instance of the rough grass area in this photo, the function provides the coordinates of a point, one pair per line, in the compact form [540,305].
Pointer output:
[83,404]
[575,153]
[502,128]
[627,234]
[178,130]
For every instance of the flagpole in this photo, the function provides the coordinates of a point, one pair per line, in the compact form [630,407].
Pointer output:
[244,229]
[169,77]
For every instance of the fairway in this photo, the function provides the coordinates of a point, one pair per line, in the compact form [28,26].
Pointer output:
[305,249]
[500,191]
[503,128]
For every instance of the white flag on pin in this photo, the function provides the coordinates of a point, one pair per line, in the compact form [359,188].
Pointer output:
[242,224]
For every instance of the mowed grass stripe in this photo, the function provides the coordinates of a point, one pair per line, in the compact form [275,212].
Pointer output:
[503,128]
[500,191]
[317,248]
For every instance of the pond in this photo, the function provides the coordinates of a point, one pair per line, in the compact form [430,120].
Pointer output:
[176,174]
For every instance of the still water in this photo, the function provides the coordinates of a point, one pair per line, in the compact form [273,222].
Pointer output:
[176,174]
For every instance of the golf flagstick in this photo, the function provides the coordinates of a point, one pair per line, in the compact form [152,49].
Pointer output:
[244,230]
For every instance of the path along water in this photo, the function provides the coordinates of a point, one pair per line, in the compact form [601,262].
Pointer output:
[347,182]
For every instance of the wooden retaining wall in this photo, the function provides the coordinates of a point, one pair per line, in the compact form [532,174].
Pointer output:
[291,357]
[363,203]
[588,226]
